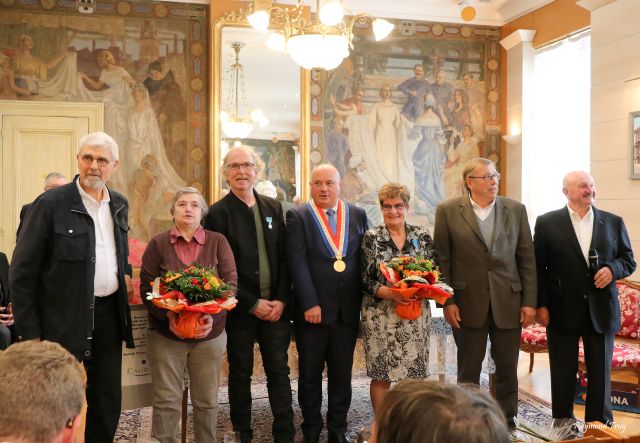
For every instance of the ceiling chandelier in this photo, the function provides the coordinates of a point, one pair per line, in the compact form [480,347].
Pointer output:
[233,125]
[321,43]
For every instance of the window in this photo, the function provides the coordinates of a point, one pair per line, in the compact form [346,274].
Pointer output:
[559,134]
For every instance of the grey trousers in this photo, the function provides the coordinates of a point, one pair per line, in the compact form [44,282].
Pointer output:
[167,361]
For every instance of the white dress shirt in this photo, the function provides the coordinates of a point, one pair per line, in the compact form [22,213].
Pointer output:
[105,279]
[583,227]
[482,213]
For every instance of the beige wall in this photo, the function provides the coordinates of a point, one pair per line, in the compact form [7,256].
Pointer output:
[615,57]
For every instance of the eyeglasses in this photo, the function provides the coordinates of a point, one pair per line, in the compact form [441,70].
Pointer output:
[88,160]
[237,166]
[398,207]
[487,177]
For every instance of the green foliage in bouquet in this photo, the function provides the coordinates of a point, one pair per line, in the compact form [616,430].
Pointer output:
[197,283]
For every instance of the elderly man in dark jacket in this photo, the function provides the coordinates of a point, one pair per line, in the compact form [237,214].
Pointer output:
[67,278]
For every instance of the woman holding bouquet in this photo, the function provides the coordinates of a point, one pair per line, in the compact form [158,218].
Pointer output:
[168,350]
[395,348]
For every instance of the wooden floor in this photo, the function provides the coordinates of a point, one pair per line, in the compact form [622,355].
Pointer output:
[538,383]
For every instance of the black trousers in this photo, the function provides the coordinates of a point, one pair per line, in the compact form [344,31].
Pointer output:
[273,339]
[334,345]
[505,349]
[104,373]
[563,363]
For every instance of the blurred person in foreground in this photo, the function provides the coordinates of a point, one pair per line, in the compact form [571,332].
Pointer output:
[42,388]
[395,348]
[432,412]
[185,244]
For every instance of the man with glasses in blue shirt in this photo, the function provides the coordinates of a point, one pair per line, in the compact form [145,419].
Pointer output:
[67,278]
[486,254]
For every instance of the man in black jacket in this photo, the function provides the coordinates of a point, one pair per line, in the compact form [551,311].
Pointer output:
[6,316]
[67,278]
[254,227]
[578,299]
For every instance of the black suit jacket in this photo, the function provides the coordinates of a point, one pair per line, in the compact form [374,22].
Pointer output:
[23,213]
[564,280]
[4,280]
[315,282]
[235,220]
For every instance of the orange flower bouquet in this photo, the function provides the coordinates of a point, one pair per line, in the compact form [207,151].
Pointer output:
[191,292]
[415,277]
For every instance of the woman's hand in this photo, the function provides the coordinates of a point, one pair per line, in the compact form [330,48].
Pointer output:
[387,294]
[204,326]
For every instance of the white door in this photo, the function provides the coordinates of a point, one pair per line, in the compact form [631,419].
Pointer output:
[37,138]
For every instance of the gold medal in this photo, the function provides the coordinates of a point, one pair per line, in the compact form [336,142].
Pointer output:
[339,265]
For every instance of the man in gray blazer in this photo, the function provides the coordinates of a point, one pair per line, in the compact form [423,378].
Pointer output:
[486,254]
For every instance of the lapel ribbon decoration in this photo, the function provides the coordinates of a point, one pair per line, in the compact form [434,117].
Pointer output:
[336,244]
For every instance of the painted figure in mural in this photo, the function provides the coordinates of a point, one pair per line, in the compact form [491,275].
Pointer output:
[30,70]
[460,113]
[442,90]
[428,162]
[337,146]
[8,88]
[474,92]
[145,139]
[416,89]
[118,101]
[386,120]
[457,156]
[156,80]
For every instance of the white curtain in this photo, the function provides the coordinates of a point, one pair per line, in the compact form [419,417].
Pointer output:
[559,133]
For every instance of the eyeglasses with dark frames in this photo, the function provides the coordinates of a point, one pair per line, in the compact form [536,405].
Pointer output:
[237,166]
[397,207]
[88,160]
[487,177]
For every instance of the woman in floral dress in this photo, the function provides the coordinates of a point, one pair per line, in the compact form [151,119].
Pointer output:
[395,348]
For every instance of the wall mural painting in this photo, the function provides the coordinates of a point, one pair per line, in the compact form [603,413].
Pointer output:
[146,61]
[412,108]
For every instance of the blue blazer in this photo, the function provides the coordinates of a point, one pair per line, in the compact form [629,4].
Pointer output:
[564,280]
[315,282]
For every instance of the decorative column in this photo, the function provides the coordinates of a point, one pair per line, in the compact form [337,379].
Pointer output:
[520,63]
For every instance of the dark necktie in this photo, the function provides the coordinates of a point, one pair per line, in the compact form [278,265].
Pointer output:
[332,220]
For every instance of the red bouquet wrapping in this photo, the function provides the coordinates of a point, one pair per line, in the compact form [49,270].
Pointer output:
[190,293]
[415,277]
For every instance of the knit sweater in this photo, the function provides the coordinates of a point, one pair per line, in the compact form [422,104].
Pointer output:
[160,257]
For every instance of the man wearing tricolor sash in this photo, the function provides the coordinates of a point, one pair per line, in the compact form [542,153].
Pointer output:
[323,250]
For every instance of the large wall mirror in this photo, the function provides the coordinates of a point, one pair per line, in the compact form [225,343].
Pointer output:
[271,82]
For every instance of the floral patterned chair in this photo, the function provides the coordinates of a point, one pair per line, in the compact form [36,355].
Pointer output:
[626,348]
[626,351]
[533,340]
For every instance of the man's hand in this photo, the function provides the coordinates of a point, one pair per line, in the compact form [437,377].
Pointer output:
[203,326]
[527,315]
[276,311]
[313,315]
[6,316]
[452,315]
[173,320]
[542,316]
[128,282]
[603,277]
[263,309]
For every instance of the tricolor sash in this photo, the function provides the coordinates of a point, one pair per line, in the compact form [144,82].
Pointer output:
[336,244]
